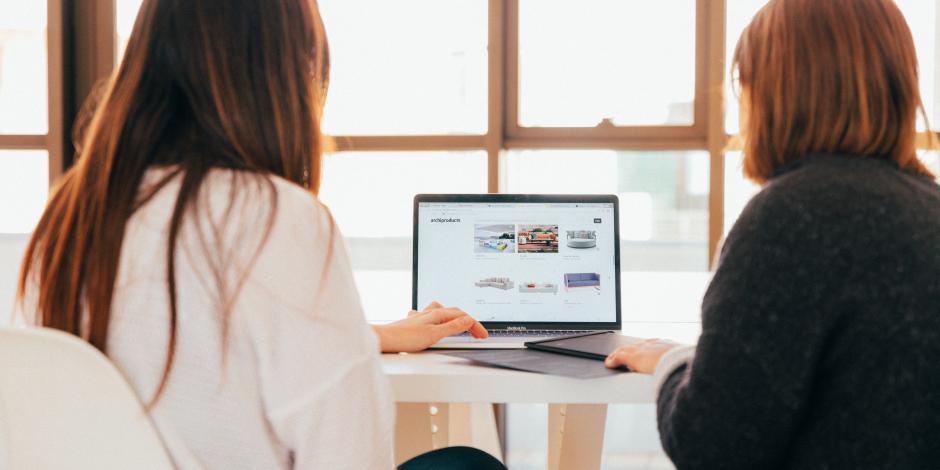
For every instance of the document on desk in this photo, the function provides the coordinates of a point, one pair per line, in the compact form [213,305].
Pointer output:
[531,360]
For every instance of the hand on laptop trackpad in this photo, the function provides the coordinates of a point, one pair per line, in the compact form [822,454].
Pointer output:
[502,339]
[469,342]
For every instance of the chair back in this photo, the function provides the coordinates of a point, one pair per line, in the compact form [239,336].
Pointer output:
[63,405]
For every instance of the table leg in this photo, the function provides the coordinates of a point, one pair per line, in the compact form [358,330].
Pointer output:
[422,427]
[413,435]
[474,425]
[576,436]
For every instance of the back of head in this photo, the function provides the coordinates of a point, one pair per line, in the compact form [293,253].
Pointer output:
[828,76]
[241,82]
[236,84]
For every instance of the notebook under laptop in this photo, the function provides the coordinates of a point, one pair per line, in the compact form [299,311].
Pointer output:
[526,266]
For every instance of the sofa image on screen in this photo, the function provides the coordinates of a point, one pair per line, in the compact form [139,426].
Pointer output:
[538,288]
[503,283]
[579,280]
[537,238]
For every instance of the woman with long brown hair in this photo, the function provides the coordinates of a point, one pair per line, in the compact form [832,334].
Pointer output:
[820,345]
[187,244]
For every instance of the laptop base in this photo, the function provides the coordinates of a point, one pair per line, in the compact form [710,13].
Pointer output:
[500,339]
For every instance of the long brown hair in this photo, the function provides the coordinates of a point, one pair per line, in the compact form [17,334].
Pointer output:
[834,76]
[204,84]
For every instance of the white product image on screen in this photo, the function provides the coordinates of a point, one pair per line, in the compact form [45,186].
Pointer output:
[502,283]
[538,288]
[581,239]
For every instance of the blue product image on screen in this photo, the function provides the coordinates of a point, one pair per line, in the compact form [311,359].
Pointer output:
[582,280]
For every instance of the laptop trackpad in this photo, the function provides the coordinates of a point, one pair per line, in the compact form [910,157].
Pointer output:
[468,342]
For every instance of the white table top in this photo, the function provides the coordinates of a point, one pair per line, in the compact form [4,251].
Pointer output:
[662,305]
[430,377]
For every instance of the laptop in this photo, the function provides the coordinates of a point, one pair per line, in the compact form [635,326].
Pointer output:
[528,267]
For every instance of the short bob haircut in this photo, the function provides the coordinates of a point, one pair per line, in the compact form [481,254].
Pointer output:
[828,76]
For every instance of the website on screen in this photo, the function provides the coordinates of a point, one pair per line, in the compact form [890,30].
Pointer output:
[519,262]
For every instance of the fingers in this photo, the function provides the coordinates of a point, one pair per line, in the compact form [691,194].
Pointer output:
[455,326]
[478,330]
[436,313]
[443,315]
[620,358]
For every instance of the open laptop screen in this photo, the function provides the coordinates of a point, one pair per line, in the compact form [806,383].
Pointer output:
[512,262]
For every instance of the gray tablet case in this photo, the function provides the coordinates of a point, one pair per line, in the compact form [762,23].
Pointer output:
[542,362]
[596,346]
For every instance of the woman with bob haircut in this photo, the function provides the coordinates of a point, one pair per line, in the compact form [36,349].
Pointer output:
[820,344]
[187,244]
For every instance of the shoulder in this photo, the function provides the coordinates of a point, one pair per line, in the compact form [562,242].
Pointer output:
[829,181]
[838,188]
[267,202]
[246,187]
[283,234]
[835,205]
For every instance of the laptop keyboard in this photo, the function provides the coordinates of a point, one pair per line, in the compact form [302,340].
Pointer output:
[531,333]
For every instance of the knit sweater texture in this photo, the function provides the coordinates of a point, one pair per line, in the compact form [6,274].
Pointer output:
[820,345]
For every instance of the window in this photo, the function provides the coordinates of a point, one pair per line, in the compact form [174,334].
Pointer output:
[663,198]
[488,97]
[23,83]
[740,13]
[24,176]
[395,73]
[922,17]
[125,12]
[594,73]
[370,195]
[29,109]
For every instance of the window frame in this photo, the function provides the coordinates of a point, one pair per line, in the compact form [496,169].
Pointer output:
[695,133]
[53,141]
[503,131]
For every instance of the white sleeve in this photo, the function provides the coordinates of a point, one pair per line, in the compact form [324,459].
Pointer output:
[325,395]
[669,362]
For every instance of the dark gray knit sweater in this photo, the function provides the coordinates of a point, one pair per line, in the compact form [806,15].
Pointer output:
[820,344]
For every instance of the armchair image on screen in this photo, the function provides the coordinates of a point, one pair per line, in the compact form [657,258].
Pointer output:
[581,239]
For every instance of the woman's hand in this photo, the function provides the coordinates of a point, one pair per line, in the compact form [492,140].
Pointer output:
[640,357]
[422,329]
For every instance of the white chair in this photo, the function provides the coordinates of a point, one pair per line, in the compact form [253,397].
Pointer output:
[63,405]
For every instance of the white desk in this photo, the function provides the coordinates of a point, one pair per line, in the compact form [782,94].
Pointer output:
[429,377]
[445,401]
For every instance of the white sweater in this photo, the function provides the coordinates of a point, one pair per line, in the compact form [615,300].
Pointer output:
[300,384]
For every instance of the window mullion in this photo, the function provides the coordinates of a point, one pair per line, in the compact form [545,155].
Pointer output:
[714,13]
[496,87]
